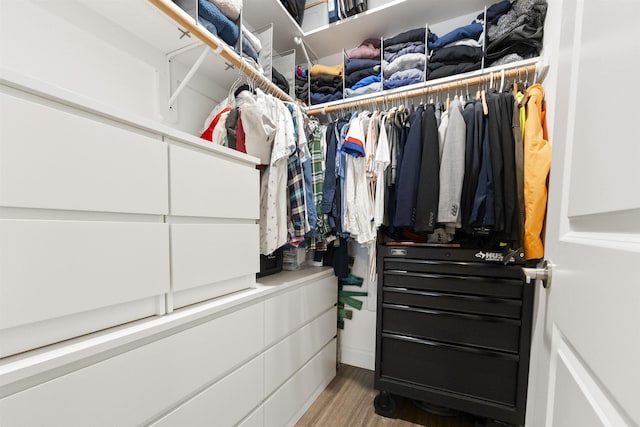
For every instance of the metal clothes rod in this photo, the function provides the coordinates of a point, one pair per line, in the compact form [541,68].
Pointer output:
[187,22]
[425,90]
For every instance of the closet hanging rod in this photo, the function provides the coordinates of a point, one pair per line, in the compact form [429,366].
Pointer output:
[424,90]
[188,23]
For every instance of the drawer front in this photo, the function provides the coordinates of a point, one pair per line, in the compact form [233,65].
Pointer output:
[452,268]
[202,254]
[224,403]
[493,287]
[480,331]
[54,159]
[287,312]
[208,185]
[283,359]
[135,387]
[255,419]
[486,375]
[284,404]
[453,302]
[52,269]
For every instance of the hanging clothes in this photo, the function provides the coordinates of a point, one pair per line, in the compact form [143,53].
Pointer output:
[537,163]
[429,181]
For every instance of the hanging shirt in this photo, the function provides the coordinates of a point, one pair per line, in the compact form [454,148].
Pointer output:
[273,190]
[452,168]
[382,161]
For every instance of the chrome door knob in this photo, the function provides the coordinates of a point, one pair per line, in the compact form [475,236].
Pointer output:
[542,272]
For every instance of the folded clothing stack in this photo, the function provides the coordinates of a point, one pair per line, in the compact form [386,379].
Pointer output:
[302,84]
[456,52]
[218,17]
[404,58]
[326,83]
[517,33]
[279,80]
[362,69]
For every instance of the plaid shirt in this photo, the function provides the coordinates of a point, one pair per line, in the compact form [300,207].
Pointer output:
[295,184]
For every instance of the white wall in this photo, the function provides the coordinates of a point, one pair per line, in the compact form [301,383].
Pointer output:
[40,39]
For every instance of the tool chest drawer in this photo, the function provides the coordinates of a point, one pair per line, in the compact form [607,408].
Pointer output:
[453,330]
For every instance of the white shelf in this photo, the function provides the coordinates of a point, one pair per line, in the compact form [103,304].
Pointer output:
[385,20]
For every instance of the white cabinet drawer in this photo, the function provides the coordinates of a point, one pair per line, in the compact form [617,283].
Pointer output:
[53,269]
[136,387]
[224,403]
[54,159]
[202,254]
[287,312]
[283,359]
[255,419]
[293,396]
[208,185]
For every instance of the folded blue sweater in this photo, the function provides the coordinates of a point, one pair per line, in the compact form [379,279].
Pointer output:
[227,30]
[471,31]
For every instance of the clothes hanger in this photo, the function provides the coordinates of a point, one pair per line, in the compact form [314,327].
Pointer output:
[502,81]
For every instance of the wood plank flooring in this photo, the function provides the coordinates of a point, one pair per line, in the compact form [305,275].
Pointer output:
[348,402]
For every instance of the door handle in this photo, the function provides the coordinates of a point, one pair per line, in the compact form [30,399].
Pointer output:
[542,272]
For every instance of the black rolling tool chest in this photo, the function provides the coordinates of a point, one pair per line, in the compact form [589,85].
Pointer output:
[453,330]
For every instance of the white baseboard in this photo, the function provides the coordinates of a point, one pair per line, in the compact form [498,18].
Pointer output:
[357,357]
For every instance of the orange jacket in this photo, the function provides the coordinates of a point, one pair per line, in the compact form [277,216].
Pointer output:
[537,162]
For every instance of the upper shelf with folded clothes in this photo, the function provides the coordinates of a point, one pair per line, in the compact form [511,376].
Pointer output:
[381,19]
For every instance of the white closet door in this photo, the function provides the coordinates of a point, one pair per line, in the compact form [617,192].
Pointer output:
[52,157]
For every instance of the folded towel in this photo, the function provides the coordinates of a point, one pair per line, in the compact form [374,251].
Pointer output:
[373,87]
[356,76]
[252,38]
[417,34]
[367,81]
[227,29]
[392,84]
[412,48]
[229,8]
[410,74]
[456,54]
[319,98]
[368,49]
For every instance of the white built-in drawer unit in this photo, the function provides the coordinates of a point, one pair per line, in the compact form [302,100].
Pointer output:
[288,311]
[54,157]
[135,387]
[209,260]
[207,364]
[205,184]
[55,273]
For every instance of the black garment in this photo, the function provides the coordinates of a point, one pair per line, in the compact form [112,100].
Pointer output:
[497,162]
[355,64]
[295,9]
[329,185]
[456,54]
[509,164]
[325,89]
[524,40]
[356,76]
[482,215]
[279,80]
[399,46]
[471,165]
[326,80]
[417,34]
[429,182]
[409,175]
[231,124]
[450,70]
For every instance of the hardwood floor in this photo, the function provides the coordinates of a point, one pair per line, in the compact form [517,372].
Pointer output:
[348,402]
